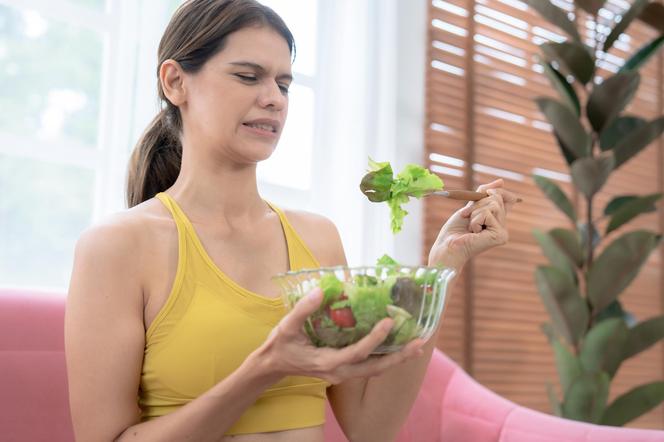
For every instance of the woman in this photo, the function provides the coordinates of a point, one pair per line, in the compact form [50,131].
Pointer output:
[174,329]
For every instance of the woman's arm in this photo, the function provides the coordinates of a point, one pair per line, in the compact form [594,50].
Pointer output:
[376,408]
[104,341]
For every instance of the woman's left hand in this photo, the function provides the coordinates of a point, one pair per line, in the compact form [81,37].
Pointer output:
[473,229]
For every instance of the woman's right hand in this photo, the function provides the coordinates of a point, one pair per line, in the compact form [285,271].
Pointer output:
[289,352]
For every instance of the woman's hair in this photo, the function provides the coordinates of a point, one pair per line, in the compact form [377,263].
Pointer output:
[197,31]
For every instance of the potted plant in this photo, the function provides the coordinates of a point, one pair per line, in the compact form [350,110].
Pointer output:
[590,333]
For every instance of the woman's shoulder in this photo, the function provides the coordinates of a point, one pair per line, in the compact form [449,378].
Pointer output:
[125,232]
[320,234]
[304,220]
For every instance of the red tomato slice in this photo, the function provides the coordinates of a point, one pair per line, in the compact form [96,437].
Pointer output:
[343,317]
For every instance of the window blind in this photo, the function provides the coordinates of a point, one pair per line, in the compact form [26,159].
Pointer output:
[482,123]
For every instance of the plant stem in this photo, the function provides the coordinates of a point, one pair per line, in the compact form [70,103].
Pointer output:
[590,228]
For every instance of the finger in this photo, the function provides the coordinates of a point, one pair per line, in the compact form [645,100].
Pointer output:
[488,224]
[374,366]
[492,185]
[495,231]
[494,201]
[509,198]
[467,211]
[477,221]
[486,188]
[493,205]
[363,348]
[308,304]
[414,348]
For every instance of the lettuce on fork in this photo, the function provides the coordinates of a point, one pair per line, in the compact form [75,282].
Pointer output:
[414,181]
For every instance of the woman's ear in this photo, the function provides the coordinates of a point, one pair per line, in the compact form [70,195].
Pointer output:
[171,77]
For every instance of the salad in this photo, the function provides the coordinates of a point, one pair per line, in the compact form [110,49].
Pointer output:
[414,181]
[351,308]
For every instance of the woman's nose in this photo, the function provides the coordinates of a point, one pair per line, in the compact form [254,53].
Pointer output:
[272,96]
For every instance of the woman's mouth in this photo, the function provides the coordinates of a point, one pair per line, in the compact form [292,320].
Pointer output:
[263,129]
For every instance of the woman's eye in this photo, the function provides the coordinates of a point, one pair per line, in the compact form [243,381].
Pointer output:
[284,89]
[244,77]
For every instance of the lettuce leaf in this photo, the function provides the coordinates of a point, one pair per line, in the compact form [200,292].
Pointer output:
[386,260]
[369,305]
[377,184]
[414,181]
[331,288]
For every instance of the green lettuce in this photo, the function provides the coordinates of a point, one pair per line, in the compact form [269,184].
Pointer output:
[369,304]
[332,288]
[405,325]
[414,181]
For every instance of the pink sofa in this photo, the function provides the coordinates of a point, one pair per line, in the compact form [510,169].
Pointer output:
[451,406]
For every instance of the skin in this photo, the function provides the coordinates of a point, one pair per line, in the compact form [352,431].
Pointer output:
[107,315]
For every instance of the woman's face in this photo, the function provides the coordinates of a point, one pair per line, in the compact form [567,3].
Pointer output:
[238,101]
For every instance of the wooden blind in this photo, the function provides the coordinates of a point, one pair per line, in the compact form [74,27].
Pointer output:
[482,123]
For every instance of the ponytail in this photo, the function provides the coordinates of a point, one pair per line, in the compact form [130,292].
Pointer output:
[155,162]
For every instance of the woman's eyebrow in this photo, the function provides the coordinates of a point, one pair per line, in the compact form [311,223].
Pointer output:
[259,69]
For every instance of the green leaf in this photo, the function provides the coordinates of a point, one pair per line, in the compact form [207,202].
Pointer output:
[615,310]
[608,99]
[631,209]
[553,400]
[376,184]
[590,174]
[586,399]
[573,56]
[386,260]
[617,266]
[619,129]
[566,125]
[602,348]
[560,84]
[617,202]
[556,16]
[331,288]
[635,141]
[567,365]
[644,335]
[414,181]
[566,151]
[553,252]
[633,404]
[569,242]
[556,195]
[643,55]
[563,302]
[625,19]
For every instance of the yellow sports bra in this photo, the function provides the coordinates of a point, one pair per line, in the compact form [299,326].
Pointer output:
[206,329]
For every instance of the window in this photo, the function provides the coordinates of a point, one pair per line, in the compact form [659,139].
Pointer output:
[80,81]
[51,69]
[78,90]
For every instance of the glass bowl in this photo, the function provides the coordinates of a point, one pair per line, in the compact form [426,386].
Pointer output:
[356,298]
